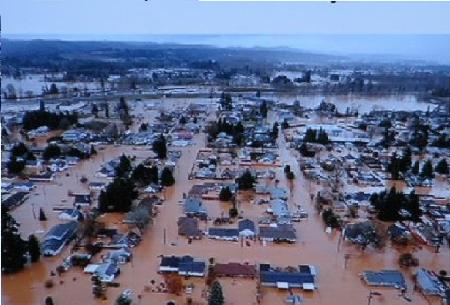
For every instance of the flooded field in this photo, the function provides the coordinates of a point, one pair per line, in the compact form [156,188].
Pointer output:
[363,104]
[338,278]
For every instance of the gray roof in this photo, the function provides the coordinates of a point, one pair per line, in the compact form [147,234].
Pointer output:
[194,206]
[387,278]
[224,232]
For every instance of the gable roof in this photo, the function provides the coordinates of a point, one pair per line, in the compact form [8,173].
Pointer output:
[235,269]
[246,224]
[286,277]
[224,232]
[280,232]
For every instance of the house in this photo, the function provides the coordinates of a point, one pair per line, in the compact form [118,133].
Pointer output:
[129,240]
[119,256]
[246,228]
[6,186]
[429,284]
[24,186]
[97,186]
[298,278]
[188,227]
[399,233]
[194,207]
[106,272]
[71,214]
[384,278]
[14,200]
[235,270]
[74,136]
[360,233]
[223,233]
[58,165]
[278,233]
[278,207]
[83,200]
[57,237]
[194,268]
[183,265]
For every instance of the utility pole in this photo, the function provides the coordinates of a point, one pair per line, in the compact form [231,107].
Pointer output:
[164,236]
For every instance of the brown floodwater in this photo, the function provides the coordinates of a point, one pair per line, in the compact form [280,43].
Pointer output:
[337,284]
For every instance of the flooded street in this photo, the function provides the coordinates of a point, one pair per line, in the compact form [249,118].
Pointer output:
[338,282]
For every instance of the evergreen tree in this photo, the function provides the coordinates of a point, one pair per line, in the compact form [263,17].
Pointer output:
[118,196]
[95,110]
[42,216]
[290,175]
[154,173]
[405,163]
[216,294]
[33,248]
[145,175]
[106,110]
[53,89]
[159,147]
[19,150]
[389,204]
[394,166]
[310,135]
[263,109]
[167,178]
[52,151]
[13,247]
[143,127]
[246,181]
[274,133]
[93,151]
[322,137]
[442,167]
[225,194]
[30,156]
[415,168]
[427,170]
[414,206]
[124,166]
[14,166]
[183,120]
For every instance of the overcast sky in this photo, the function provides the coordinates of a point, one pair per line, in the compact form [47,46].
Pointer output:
[102,19]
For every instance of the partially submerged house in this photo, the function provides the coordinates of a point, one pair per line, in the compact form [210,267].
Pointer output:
[119,256]
[193,207]
[278,233]
[106,272]
[83,200]
[302,277]
[246,228]
[14,200]
[384,278]
[429,284]
[223,233]
[57,237]
[235,270]
[361,233]
[183,265]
